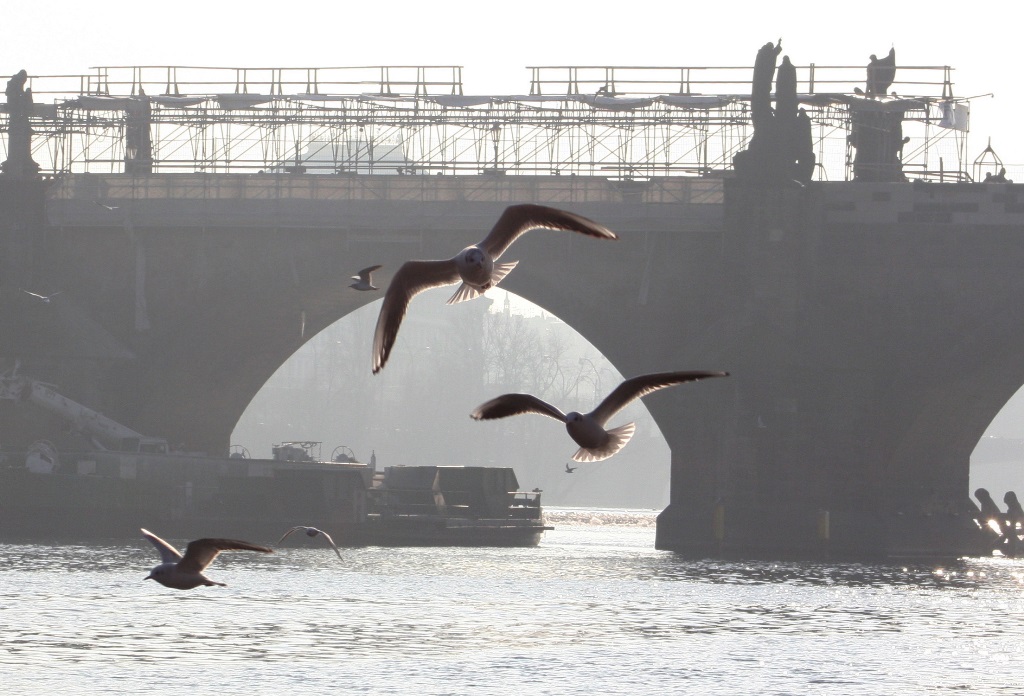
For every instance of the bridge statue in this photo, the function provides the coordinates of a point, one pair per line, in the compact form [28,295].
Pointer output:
[781,148]
[876,131]
[138,141]
[19,161]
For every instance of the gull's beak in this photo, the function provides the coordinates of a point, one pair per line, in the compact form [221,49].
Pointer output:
[148,577]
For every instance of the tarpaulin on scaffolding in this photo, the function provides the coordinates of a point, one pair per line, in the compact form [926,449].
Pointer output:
[241,101]
[614,103]
[175,101]
[91,102]
[459,100]
[955,115]
[694,101]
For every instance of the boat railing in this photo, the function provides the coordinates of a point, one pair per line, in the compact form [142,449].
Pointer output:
[525,505]
[452,503]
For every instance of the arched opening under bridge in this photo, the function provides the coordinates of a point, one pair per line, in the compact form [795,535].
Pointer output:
[997,462]
[449,359]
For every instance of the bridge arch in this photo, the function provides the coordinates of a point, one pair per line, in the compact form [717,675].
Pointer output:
[417,409]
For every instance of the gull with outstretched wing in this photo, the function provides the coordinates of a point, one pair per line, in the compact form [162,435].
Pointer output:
[364,279]
[185,572]
[42,298]
[587,429]
[312,532]
[475,266]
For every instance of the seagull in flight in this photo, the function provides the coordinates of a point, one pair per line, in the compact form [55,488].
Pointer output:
[186,572]
[43,298]
[363,280]
[587,429]
[312,532]
[475,266]
[108,207]
[570,469]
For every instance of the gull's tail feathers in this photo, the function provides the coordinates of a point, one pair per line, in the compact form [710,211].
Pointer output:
[465,292]
[468,292]
[617,439]
[501,270]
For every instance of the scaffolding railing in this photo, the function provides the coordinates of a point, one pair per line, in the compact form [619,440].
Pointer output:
[624,122]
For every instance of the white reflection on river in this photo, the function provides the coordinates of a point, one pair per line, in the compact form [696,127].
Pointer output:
[593,610]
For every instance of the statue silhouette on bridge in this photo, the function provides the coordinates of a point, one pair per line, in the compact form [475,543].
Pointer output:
[782,148]
[138,141]
[876,130]
[19,160]
[881,73]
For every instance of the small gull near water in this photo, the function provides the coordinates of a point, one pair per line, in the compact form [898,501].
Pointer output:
[186,572]
[312,532]
[475,266]
[587,429]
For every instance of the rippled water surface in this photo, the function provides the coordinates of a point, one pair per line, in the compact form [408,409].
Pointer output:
[594,610]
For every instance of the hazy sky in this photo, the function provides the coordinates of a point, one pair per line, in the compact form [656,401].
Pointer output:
[494,42]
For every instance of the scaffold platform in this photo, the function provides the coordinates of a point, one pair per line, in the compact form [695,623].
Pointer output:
[619,122]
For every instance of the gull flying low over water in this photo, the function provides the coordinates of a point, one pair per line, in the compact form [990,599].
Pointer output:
[364,280]
[587,429]
[186,572]
[475,266]
[312,532]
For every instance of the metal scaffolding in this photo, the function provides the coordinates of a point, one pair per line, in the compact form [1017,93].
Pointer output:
[615,122]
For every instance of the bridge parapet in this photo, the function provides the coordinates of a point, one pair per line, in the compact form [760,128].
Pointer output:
[282,200]
[861,204]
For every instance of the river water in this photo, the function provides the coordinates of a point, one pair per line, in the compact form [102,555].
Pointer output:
[595,609]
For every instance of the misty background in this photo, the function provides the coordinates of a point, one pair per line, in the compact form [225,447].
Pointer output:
[447,360]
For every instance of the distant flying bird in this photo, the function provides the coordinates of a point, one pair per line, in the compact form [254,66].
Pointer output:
[43,298]
[570,469]
[184,573]
[475,266]
[364,280]
[108,207]
[312,532]
[587,429]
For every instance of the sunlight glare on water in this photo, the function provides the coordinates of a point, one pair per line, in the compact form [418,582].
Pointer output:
[595,609]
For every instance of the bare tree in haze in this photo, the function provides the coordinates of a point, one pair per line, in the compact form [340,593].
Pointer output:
[448,360]
[513,354]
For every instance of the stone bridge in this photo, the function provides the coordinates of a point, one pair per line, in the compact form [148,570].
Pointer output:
[873,330]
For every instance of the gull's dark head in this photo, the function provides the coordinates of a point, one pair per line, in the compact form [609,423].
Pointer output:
[474,257]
